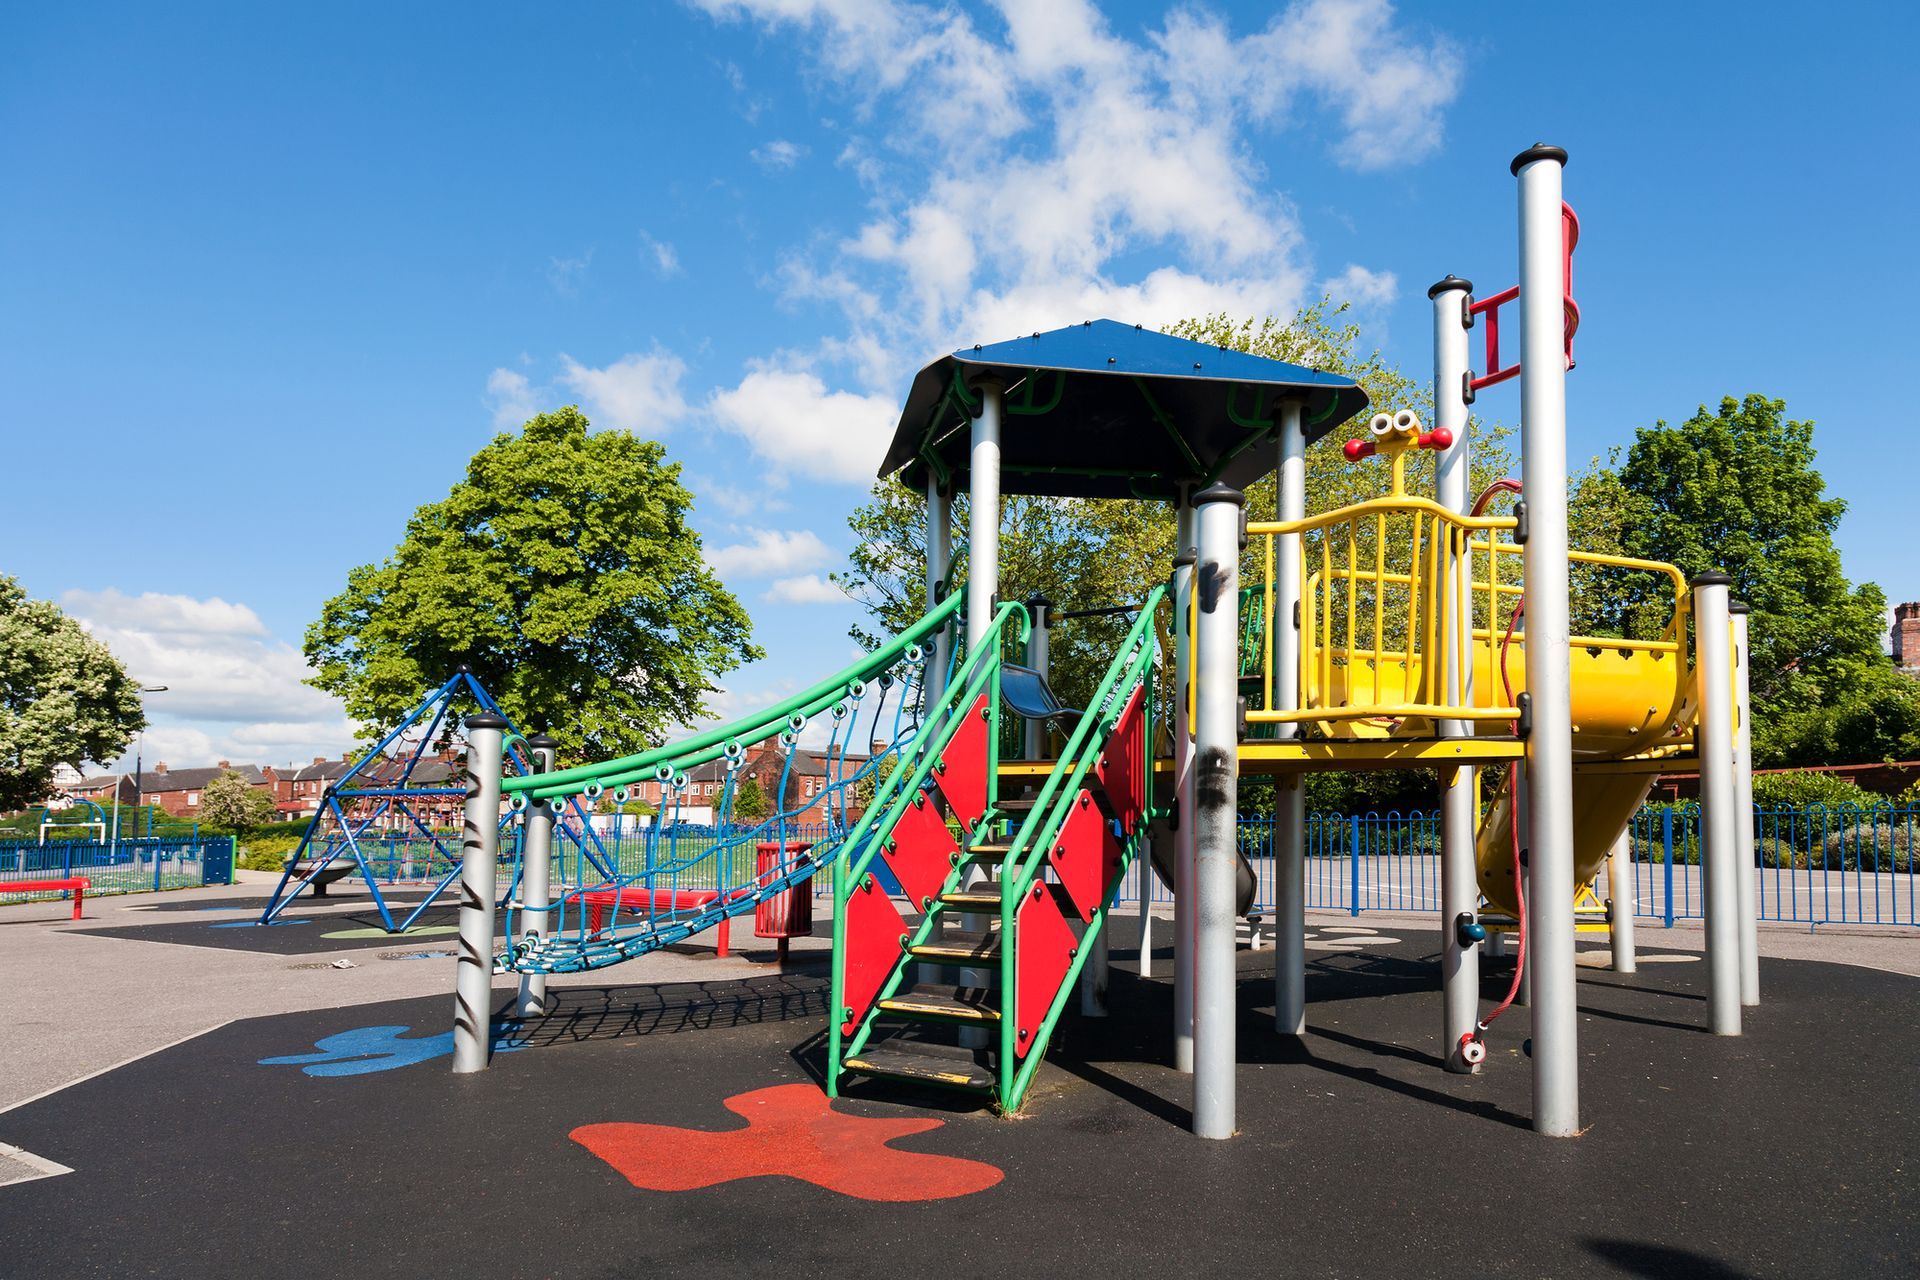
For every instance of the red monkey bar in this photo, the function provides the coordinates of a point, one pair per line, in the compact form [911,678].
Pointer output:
[1490,307]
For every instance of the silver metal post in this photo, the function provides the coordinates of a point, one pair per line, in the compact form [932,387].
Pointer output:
[1143,873]
[1183,845]
[1620,902]
[1459,877]
[1216,779]
[983,584]
[536,867]
[479,851]
[1549,841]
[1289,800]
[1719,844]
[1743,810]
[1040,610]
[939,562]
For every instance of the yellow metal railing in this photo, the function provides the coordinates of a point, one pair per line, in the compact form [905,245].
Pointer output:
[1385,584]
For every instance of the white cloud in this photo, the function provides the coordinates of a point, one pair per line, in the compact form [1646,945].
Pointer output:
[659,256]
[1052,170]
[768,552]
[734,501]
[792,420]
[565,274]
[807,589]
[638,392]
[233,691]
[778,154]
[511,398]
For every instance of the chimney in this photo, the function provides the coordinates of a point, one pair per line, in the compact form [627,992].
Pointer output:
[160,766]
[1906,636]
[319,759]
[878,746]
[224,764]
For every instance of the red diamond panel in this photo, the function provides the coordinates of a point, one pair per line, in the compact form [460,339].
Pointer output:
[1086,856]
[1043,948]
[1123,762]
[921,851]
[874,933]
[963,776]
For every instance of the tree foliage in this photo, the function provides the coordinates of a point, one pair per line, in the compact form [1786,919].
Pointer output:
[64,698]
[750,803]
[1090,553]
[563,572]
[229,800]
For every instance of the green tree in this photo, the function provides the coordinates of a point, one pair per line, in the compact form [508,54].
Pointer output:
[563,572]
[64,698]
[749,801]
[1083,553]
[229,800]
[1736,490]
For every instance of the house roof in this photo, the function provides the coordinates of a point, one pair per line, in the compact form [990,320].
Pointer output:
[195,779]
[1110,410]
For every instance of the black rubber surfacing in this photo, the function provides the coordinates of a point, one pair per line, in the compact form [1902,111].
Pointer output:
[1784,1152]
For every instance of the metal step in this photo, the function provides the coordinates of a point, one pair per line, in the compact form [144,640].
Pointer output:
[939,1005]
[991,851]
[896,1063]
[986,898]
[958,948]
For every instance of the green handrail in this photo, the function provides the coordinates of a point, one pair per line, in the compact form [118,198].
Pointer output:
[1131,667]
[711,744]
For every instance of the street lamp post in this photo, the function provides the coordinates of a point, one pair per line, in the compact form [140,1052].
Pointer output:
[139,744]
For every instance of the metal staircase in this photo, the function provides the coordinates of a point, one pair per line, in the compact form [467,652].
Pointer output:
[1004,885]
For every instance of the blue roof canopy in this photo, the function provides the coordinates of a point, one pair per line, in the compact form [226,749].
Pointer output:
[1111,410]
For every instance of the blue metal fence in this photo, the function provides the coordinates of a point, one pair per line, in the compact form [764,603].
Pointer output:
[1815,865]
[124,866]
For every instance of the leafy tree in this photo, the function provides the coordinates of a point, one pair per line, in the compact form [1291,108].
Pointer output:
[1085,553]
[563,572]
[1736,490]
[64,698]
[229,800]
[749,801]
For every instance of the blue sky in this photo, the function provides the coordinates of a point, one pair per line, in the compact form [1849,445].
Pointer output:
[269,276]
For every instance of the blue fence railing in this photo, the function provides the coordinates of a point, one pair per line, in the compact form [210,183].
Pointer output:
[123,866]
[1815,865]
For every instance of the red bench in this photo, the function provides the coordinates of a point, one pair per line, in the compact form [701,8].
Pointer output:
[632,898]
[78,885]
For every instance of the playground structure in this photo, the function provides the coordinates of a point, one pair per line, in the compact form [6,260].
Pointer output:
[1386,634]
[388,818]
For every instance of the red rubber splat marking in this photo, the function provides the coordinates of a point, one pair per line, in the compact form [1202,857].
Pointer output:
[921,852]
[875,930]
[1123,762]
[962,777]
[1086,856]
[1043,948]
[792,1132]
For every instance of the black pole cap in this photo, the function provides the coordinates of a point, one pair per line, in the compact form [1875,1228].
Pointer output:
[1739,606]
[1184,559]
[487,720]
[540,740]
[463,670]
[1451,282]
[1038,601]
[1219,493]
[1538,151]
[1711,578]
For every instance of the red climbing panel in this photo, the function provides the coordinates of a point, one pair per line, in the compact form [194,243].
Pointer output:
[920,851]
[875,931]
[962,775]
[1086,856]
[1043,947]
[1123,762]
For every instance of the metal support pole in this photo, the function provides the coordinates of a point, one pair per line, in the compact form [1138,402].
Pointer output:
[1040,610]
[1216,784]
[983,586]
[1183,846]
[1459,874]
[1719,845]
[1749,889]
[1620,903]
[479,851]
[1549,839]
[939,563]
[1289,799]
[1143,873]
[536,867]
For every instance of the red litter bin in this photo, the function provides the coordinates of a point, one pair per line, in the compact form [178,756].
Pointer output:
[789,913]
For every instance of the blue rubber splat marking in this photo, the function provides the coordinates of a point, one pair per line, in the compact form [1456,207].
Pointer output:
[365,1050]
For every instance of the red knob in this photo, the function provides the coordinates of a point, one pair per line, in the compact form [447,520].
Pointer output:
[1358,449]
[1438,438]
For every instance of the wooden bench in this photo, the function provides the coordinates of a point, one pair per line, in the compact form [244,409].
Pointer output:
[77,885]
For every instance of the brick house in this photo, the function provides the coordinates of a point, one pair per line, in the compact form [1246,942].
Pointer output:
[1906,637]
[812,773]
[177,791]
[302,787]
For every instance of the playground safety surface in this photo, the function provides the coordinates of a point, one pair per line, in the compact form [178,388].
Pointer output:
[1787,1151]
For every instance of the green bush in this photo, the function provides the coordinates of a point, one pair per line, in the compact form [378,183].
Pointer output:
[1798,790]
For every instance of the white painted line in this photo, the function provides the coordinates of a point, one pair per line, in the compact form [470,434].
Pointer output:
[91,1075]
[42,1167]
